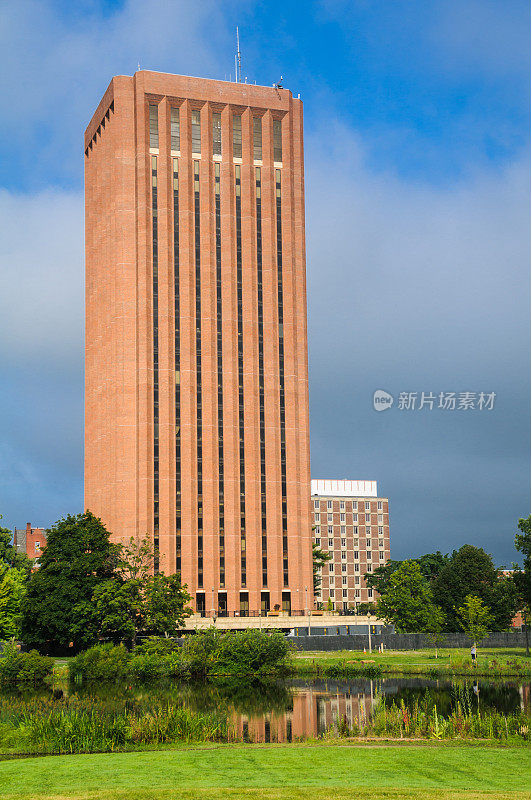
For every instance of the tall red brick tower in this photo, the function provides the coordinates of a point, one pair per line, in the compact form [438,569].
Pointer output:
[196,428]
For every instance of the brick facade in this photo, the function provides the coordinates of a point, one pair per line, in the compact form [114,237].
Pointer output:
[343,526]
[131,287]
[30,541]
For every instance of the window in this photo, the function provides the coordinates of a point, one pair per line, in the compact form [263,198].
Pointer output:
[316,503]
[342,518]
[330,543]
[236,136]
[379,505]
[344,580]
[175,129]
[318,542]
[356,567]
[343,529]
[330,530]
[380,518]
[355,530]
[342,505]
[354,518]
[355,542]
[367,506]
[257,138]
[277,140]
[196,132]
[330,518]
[356,555]
[37,545]
[382,555]
[358,593]
[343,567]
[345,592]
[343,555]
[329,504]
[331,583]
[380,542]
[369,567]
[343,542]
[369,593]
[367,518]
[369,555]
[331,567]
[369,543]
[153,125]
[356,581]
[317,529]
[216,133]
[380,530]
[317,517]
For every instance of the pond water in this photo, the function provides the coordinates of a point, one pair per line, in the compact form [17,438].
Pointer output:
[301,709]
[305,709]
[286,711]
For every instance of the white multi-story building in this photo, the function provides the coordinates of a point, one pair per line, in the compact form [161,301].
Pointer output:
[351,523]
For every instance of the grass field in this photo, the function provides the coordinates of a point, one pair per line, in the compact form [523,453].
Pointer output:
[312,772]
[491,661]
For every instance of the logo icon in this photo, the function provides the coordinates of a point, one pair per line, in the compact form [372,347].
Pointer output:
[382,400]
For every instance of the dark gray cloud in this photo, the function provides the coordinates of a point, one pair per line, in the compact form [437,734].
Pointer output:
[419,288]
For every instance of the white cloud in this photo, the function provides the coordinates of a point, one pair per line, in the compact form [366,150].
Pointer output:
[41,279]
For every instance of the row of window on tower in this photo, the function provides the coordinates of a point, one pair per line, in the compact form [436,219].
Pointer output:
[175,133]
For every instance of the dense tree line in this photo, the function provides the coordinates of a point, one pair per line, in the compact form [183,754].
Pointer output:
[437,592]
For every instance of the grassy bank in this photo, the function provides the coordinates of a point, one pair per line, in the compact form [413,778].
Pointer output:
[276,771]
[492,663]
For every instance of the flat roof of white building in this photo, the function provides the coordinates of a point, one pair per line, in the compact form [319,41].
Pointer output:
[344,488]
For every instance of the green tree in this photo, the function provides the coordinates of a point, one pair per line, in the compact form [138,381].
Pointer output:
[136,601]
[433,628]
[470,571]
[474,618]
[165,604]
[320,557]
[522,576]
[78,557]
[408,602]
[9,555]
[12,592]
[118,609]
[430,567]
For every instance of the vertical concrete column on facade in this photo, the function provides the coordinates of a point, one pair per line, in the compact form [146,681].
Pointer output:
[91,408]
[188,371]
[289,363]
[144,313]
[301,344]
[120,130]
[271,366]
[209,363]
[166,344]
[230,364]
[250,365]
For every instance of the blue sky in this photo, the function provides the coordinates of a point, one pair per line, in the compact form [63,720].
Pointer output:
[418,170]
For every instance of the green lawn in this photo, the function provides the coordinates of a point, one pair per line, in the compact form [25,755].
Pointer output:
[490,660]
[312,772]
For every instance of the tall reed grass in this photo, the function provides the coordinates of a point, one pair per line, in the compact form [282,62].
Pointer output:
[91,725]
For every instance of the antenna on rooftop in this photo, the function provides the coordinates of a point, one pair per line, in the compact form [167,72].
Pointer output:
[238,58]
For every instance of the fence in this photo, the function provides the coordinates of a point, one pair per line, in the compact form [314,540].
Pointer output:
[400,641]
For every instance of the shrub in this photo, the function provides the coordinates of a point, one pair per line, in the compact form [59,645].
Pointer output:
[252,651]
[23,668]
[102,663]
[157,646]
[148,667]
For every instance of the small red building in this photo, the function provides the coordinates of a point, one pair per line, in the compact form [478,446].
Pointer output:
[30,541]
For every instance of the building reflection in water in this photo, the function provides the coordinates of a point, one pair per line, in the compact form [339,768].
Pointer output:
[314,712]
[321,707]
